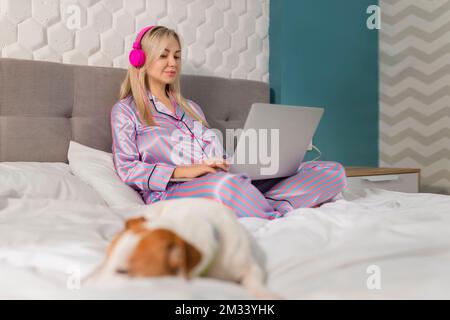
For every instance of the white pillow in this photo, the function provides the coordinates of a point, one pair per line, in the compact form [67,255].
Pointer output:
[96,168]
[44,180]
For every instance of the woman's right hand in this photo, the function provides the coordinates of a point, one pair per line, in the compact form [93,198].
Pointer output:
[196,170]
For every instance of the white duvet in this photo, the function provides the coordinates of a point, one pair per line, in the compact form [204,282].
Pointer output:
[385,245]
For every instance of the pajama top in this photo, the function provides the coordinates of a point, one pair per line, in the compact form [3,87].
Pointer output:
[146,156]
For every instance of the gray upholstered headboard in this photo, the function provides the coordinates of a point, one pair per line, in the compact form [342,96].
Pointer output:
[44,105]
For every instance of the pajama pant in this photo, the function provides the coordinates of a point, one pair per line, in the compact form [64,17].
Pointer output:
[315,183]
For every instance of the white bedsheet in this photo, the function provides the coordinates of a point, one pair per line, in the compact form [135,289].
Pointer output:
[321,253]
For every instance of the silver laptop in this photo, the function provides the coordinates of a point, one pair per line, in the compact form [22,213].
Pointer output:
[274,140]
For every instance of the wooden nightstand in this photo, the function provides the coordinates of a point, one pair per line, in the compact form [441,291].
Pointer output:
[394,179]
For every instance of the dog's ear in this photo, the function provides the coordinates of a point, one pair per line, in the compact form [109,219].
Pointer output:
[193,256]
[184,257]
[135,223]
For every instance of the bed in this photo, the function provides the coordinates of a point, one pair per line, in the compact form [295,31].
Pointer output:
[54,227]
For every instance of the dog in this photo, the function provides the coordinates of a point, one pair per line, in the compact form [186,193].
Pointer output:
[188,238]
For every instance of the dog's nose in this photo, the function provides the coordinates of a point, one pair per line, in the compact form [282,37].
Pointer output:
[122,271]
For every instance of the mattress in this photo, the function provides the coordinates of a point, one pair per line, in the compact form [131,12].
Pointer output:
[382,245]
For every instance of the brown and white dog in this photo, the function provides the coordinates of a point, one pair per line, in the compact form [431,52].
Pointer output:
[189,238]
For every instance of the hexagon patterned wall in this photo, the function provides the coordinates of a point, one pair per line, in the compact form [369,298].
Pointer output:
[224,38]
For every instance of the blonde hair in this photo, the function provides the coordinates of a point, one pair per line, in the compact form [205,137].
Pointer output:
[136,81]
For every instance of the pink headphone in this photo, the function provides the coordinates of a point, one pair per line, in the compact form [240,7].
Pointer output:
[137,55]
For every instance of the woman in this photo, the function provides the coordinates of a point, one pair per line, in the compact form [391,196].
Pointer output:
[145,147]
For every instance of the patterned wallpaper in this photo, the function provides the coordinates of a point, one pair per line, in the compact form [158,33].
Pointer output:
[225,38]
[415,89]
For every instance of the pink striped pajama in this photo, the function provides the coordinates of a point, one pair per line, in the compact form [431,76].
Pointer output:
[145,158]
